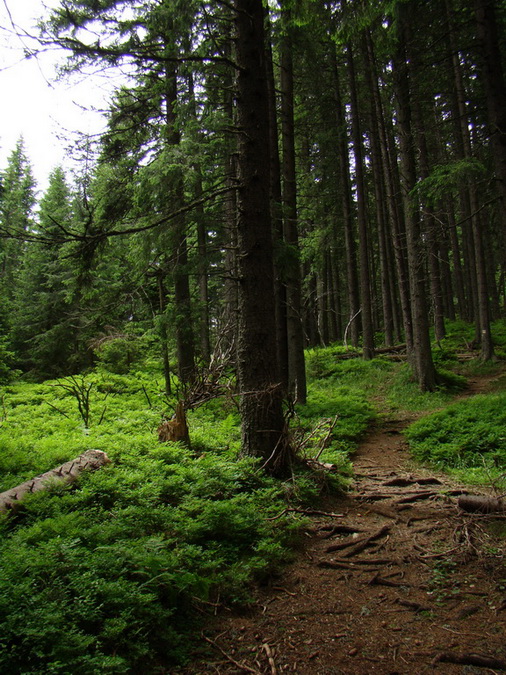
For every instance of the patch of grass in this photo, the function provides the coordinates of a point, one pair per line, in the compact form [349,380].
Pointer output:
[442,584]
[404,392]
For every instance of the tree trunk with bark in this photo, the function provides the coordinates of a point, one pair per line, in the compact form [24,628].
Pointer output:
[296,362]
[347,217]
[363,234]
[262,420]
[421,356]
[277,219]
[495,89]
[185,345]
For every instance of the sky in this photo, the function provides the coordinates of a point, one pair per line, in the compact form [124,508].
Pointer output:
[33,104]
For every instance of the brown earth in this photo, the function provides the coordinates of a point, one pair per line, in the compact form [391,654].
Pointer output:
[393,579]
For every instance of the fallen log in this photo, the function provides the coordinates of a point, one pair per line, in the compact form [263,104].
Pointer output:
[481,504]
[65,473]
[393,350]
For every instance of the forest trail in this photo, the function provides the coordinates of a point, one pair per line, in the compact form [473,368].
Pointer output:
[396,581]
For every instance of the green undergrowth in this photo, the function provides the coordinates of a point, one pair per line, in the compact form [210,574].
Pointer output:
[385,384]
[107,577]
[467,438]
[112,574]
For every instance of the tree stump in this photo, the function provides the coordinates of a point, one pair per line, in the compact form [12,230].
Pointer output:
[175,429]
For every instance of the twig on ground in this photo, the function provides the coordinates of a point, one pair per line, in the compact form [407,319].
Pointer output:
[381,581]
[307,512]
[242,666]
[357,544]
[270,657]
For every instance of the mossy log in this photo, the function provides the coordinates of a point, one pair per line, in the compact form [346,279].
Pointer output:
[65,473]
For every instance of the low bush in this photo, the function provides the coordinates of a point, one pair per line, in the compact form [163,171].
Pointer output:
[469,434]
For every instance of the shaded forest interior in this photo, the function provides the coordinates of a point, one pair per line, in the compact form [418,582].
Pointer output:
[369,207]
[270,179]
[284,190]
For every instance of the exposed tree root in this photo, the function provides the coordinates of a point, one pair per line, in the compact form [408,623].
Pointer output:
[470,660]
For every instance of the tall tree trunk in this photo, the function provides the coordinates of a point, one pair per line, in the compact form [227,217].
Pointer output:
[458,273]
[430,226]
[262,419]
[379,188]
[474,244]
[363,234]
[205,341]
[296,363]
[228,325]
[277,222]
[421,357]
[162,304]
[185,347]
[347,214]
[397,240]
[495,89]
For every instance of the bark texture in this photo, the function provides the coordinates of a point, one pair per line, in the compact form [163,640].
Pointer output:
[262,419]
[65,473]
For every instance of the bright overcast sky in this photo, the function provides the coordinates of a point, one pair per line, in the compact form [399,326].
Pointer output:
[44,112]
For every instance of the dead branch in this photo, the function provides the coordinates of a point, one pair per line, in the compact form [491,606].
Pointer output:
[360,546]
[381,581]
[347,564]
[404,482]
[242,666]
[417,496]
[415,606]
[309,512]
[340,565]
[340,529]
[270,657]
[65,473]
[324,441]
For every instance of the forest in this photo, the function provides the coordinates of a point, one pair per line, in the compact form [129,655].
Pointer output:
[296,215]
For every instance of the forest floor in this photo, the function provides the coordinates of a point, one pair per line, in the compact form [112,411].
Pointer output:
[393,579]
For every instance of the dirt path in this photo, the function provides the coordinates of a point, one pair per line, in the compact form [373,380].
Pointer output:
[397,581]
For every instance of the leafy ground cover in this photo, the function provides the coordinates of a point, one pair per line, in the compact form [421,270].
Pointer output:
[468,437]
[112,574]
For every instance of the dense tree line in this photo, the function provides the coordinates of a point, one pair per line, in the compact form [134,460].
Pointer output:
[272,178]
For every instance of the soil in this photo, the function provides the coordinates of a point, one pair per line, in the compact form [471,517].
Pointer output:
[393,579]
